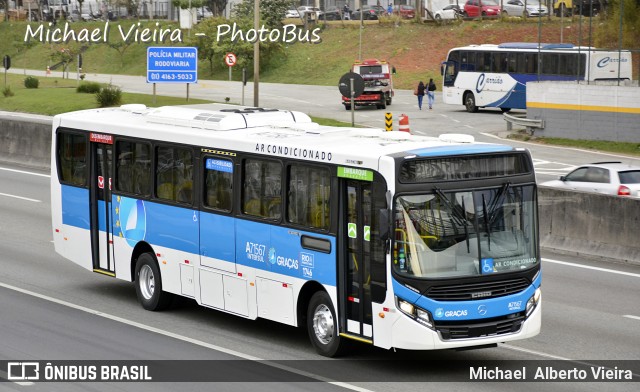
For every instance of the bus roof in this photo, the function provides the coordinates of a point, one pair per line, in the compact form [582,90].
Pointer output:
[528,46]
[278,133]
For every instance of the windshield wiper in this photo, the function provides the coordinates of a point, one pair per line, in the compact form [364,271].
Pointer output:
[486,222]
[466,232]
[499,200]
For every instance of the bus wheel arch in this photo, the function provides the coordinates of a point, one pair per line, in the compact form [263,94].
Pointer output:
[140,248]
[148,282]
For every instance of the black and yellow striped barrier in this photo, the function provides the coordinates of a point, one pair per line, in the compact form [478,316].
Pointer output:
[388,122]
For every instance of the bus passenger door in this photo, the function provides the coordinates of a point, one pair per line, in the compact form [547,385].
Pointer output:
[354,285]
[100,204]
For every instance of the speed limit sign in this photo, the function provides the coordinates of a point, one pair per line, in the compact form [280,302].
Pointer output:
[230,59]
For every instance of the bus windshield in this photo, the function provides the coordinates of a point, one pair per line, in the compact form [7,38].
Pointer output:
[465,233]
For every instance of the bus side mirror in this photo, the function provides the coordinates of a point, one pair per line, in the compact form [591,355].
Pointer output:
[442,69]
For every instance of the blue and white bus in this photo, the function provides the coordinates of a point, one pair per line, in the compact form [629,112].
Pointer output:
[386,238]
[496,76]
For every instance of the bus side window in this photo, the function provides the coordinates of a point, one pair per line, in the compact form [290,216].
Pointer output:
[174,174]
[133,167]
[262,188]
[308,196]
[72,158]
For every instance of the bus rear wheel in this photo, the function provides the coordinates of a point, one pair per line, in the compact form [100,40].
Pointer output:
[149,284]
[322,326]
[470,103]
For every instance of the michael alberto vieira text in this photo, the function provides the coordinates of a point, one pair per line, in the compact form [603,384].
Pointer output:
[549,373]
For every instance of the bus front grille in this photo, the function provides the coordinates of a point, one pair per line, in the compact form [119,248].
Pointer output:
[453,330]
[477,291]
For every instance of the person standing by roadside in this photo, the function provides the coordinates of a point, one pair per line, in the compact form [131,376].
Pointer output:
[419,91]
[390,9]
[431,95]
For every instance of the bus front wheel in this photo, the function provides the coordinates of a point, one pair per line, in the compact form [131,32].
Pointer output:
[149,284]
[470,103]
[322,325]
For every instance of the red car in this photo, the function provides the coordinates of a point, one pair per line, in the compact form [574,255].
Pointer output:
[474,8]
[405,11]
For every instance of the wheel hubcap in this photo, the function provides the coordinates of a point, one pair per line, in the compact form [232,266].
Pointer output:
[323,325]
[147,282]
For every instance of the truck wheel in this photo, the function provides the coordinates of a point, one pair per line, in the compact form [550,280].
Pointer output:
[322,325]
[149,284]
[389,99]
[347,107]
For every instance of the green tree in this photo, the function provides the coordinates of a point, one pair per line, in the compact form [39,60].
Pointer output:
[608,35]
[212,47]
[271,11]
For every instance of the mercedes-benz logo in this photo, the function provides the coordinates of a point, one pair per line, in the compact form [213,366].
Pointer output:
[482,309]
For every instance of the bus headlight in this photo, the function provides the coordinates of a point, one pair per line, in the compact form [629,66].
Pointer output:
[533,301]
[418,314]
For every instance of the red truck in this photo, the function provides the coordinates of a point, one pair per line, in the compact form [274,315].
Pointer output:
[378,84]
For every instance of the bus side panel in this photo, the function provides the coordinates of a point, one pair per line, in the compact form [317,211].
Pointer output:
[282,265]
[75,225]
[171,231]
[604,65]
[217,242]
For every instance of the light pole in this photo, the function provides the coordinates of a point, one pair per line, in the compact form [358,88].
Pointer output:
[256,54]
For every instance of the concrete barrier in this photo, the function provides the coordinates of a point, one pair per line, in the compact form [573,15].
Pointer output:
[590,224]
[25,139]
[571,222]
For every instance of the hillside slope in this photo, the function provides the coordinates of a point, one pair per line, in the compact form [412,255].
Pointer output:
[416,50]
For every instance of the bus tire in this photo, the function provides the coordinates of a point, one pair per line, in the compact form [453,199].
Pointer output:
[470,103]
[322,326]
[148,283]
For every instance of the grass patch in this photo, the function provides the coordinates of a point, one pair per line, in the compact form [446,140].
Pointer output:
[56,96]
[330,122]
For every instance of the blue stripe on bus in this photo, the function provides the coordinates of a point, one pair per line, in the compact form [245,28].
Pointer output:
[459,149]
[469,310]
[259,245]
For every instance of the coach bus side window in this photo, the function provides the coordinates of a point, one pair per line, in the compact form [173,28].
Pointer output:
[72,158]
[308,196]
[174,174]
[218,183]
[550,63]
[133,167]
[262,187]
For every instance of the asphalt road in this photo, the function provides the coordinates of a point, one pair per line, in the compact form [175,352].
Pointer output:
[51,309]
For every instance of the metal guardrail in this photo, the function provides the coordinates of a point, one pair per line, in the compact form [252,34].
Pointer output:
[529,123]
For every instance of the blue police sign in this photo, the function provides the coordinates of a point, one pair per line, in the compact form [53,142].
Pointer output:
[172,65]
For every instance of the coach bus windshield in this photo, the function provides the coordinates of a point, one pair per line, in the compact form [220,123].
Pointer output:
[465,233]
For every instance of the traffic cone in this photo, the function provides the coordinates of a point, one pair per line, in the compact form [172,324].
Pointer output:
[403,123]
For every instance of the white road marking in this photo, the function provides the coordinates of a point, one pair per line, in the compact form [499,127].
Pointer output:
[534,352]
[592,268]
[21,198]
[4,375]
[24,172]
[185,338]
[631,316]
